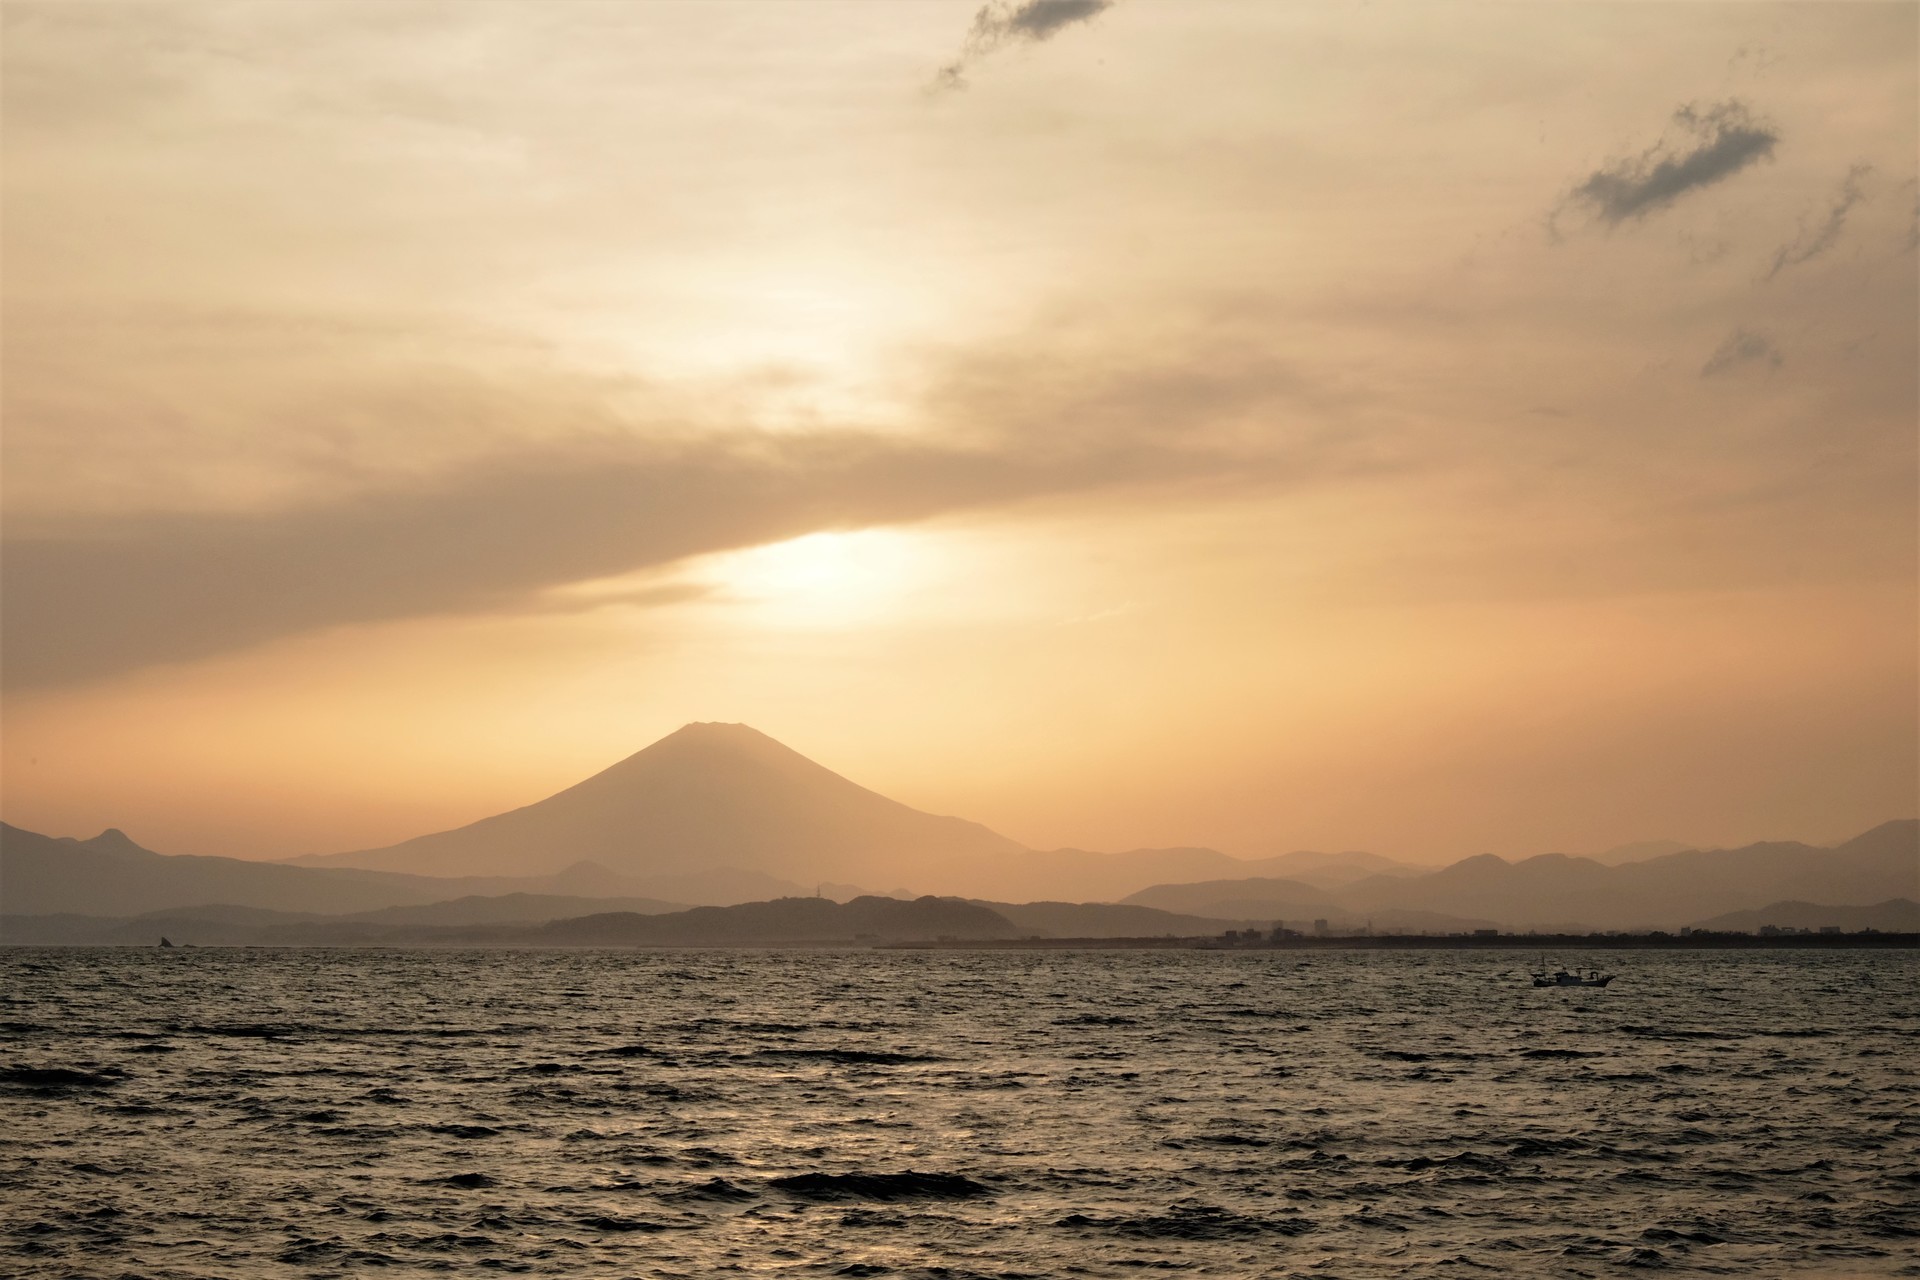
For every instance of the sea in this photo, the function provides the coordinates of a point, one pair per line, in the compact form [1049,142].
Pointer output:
[956,1113]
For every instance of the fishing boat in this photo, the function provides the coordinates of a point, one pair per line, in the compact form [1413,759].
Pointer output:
[1562,978]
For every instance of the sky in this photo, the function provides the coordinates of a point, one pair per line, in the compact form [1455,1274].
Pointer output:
[1426,428]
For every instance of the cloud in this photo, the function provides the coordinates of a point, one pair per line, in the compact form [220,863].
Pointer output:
[1811,243]
[1001,23]
[1714,143]
[1742,347]
[89,597]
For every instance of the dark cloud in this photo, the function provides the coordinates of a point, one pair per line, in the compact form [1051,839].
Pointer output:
[1742,347]
[1811,242]
[1706,145]
[90,598]
[1002,23]
[624,484]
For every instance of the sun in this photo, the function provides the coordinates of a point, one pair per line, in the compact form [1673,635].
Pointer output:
[828,579]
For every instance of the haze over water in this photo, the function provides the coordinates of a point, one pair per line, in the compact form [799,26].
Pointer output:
[659,1113]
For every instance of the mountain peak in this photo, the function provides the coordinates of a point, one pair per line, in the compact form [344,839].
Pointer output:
[710,796]
[713,748]
[716,729]
[113,840]
[722,736]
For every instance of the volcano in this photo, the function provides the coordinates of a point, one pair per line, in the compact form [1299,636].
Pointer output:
[706,799]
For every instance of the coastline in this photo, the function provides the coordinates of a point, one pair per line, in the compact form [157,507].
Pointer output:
[1423,942]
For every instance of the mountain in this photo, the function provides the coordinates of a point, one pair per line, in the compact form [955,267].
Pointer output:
[510,908]
[1254,898]
[524,920]
[717,814]
[110,875]
[1640,851]
[723,813]
[1669,891]
[1295,904]
[1077,874]
[1106,920]
[1326,870]
[1555,892]
[815,920]
[1408,920]
[707,796]
[1897,915]
[785,920]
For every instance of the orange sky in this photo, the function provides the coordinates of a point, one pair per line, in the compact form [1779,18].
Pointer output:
[1426,428]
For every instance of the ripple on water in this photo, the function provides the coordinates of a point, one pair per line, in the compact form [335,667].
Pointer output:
[229,1113]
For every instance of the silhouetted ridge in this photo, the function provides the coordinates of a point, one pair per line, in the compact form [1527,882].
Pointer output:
[705,799]
[113,840]
[788,920]
[110,875]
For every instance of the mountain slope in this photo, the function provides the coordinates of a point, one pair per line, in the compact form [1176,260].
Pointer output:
[1254,898]
[1554,891]
[1663,892]
[1640,851]
[110,875]
[1077,875]
[1327,870]
[1106,920]
[510,908]
[705,796]
[924,919]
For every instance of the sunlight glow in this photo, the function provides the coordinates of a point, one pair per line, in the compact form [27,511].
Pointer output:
[831,579]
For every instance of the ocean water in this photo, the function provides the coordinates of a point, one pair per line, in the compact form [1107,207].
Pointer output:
[215,1113]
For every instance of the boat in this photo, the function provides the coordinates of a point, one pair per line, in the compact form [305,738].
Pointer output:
[1594,978]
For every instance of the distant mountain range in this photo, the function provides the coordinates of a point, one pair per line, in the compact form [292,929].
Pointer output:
[110,875]
[1554,892]
[1900,915]
[521,920]
[1663,892]
[1296,903]
[690,816]
[1256,897]
[719,814]
[1640,851]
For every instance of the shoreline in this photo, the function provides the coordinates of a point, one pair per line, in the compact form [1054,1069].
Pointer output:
[1378,942]
[1421,942]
